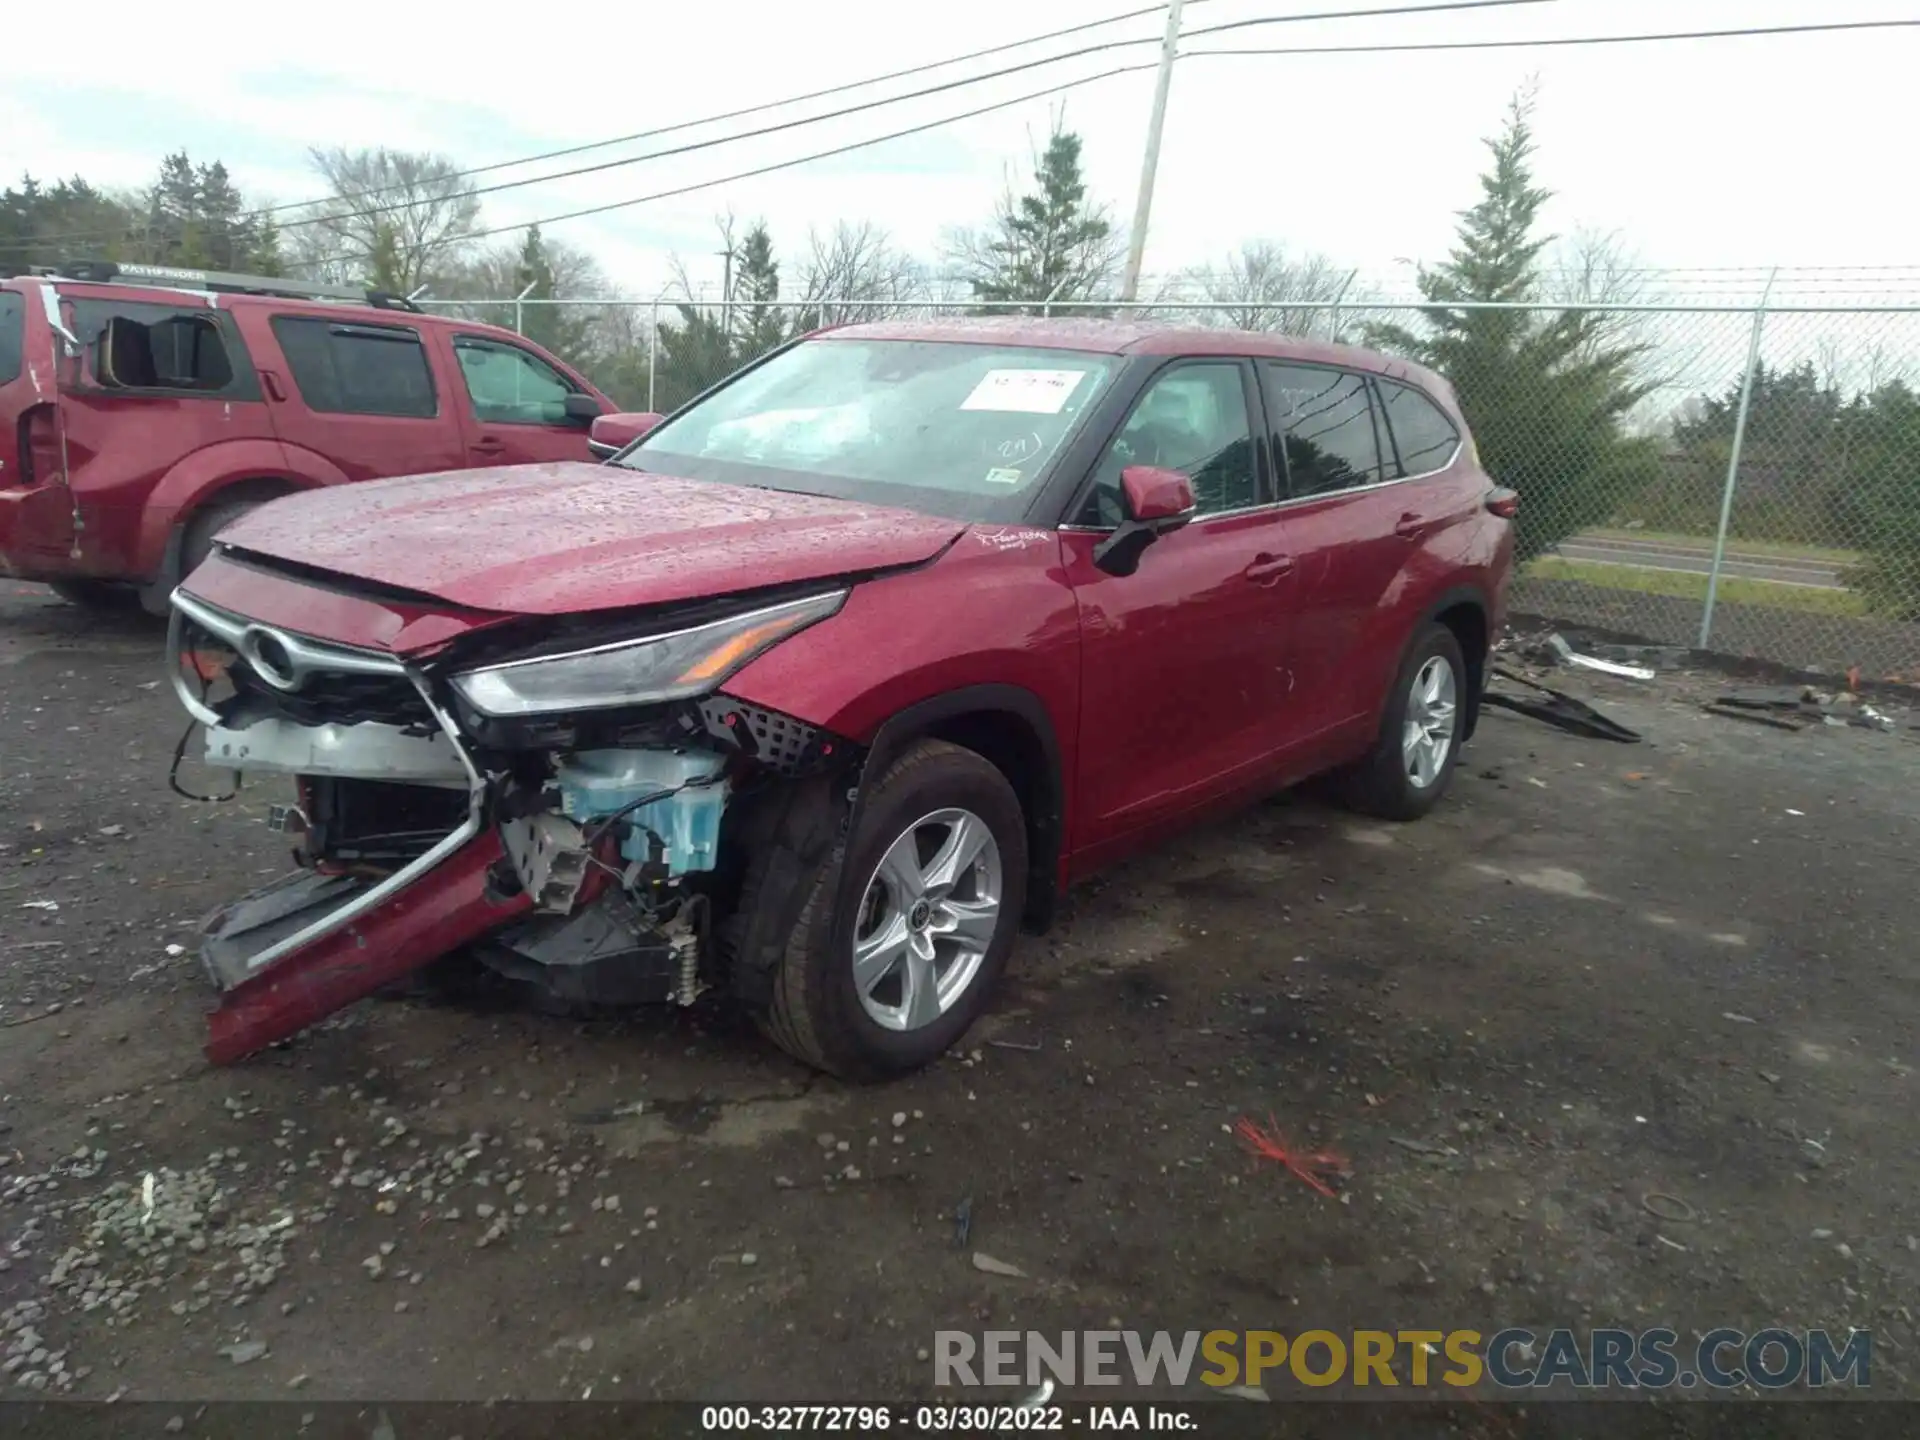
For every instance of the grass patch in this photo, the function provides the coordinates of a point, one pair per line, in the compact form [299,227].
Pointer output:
[1774,549]
[1733,590]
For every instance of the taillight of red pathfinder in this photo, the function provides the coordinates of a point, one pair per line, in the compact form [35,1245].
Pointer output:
[39,446]
[1503,502]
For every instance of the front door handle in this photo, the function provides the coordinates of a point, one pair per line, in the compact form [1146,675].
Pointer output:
[1410,526]
[488,445]
[1269,569]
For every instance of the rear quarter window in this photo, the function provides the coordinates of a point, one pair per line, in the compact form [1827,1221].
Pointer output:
[13,334]
[1424,437]
[136,345]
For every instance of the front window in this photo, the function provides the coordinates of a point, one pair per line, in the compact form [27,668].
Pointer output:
[955,429]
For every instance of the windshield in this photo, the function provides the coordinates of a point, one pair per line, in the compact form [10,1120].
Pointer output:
[955,429]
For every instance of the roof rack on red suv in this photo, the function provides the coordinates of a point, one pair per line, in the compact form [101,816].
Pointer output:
[218,282]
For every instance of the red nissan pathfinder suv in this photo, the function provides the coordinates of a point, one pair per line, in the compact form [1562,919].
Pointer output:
[143,407]
[831,680]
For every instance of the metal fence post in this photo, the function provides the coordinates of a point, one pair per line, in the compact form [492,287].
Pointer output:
[519,308]
[1733,459]
[1333,316]
[653,353]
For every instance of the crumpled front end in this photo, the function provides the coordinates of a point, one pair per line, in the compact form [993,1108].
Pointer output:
[443,805]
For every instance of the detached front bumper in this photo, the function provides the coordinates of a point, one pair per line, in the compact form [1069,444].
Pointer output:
[288,956]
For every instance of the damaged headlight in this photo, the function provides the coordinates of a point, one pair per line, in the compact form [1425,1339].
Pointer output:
[674,666]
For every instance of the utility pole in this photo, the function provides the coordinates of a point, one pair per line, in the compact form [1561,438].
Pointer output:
[726,291]
[1143,202]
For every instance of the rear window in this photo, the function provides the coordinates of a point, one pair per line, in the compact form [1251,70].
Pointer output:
[13,334]
[134,345]
[344,369]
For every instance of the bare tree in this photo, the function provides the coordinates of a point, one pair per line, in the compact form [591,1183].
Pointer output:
[396,218]
[1262,287]
[1597,268]
[853,273]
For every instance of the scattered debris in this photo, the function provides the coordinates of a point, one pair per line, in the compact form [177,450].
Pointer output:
[1421,1147]
[1799,707]
[1314,1168]
[1559,710]
[1668,1207]
[1565,654]
[963,1222]
[244,1352]
[49,906]
[1032,1048]
[1671,1244]
[1737,1018]
[1246,1392]
[986,1264]
[1038,1397]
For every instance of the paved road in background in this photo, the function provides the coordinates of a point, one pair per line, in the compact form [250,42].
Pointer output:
[1697,559]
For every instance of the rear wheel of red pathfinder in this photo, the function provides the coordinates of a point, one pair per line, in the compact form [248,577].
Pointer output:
[1407,771]
[936,871]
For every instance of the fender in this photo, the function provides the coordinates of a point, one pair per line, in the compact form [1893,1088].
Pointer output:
[1476,598]
[193,481]
[1046,803]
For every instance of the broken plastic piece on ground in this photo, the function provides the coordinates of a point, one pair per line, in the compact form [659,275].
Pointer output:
[1560,710]
[1565,654]
[1780,721]
[1314,1167]
[438,913]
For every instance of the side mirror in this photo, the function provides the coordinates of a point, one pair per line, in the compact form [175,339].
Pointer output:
[582,409]
[1157,501]
[611,434]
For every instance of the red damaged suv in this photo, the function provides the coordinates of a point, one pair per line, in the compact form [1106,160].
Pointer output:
[829,682]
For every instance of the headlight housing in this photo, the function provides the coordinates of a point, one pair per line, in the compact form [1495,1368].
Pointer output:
[674,666]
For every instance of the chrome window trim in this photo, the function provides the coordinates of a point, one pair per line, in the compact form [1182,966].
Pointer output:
[230,626]
[1289,503]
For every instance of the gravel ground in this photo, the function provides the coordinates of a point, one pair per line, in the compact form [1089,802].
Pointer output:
[1684,968]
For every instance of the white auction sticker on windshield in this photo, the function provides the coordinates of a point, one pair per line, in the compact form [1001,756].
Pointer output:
[1025,392]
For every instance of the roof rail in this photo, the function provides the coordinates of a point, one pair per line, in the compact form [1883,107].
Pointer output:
[173,277]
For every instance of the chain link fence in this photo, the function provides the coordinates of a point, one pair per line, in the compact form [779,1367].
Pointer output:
[1750,487]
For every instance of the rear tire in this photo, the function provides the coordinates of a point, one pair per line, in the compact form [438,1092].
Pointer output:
[102,595]
[938,868]
[1413,759]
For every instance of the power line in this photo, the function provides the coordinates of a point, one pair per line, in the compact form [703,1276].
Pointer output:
[1429,6]
[963,82]
[1133,69]
[1426,45]
[715,119]
[798,160]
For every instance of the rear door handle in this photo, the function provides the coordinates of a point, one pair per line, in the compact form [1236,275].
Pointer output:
[270,382]
[1269,569]
[1411,526]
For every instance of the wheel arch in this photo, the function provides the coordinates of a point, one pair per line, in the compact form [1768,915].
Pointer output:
[1009,727]
[1464,610]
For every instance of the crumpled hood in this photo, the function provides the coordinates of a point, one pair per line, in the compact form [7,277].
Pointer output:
[568,537]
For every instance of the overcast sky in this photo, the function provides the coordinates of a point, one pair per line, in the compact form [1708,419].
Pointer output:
[1747,152]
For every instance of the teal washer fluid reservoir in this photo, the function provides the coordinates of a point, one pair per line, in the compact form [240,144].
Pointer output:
[597,783]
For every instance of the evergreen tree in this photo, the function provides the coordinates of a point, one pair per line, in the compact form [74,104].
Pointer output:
[1051,242]
[552,326]
[1545,393]
[757,326]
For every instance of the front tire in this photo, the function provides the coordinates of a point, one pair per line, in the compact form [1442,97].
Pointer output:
[937,871]
[1413,759]
[101,595]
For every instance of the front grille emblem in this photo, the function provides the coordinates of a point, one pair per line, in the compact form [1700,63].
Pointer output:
[271,658]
